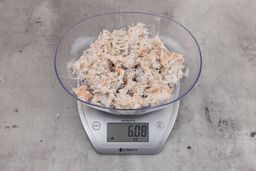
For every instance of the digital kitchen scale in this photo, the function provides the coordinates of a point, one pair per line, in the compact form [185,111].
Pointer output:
[117,134]
[127,134]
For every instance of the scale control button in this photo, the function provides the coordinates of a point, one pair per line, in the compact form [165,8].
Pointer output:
[96,125]
[159,125]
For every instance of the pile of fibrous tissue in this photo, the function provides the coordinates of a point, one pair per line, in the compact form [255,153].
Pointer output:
[127,69]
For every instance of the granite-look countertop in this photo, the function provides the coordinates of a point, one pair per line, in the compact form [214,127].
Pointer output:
[40,127]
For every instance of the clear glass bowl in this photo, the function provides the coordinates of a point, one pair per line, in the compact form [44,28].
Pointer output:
[79,36]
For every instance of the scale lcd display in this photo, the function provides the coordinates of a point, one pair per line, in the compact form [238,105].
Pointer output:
[127,132]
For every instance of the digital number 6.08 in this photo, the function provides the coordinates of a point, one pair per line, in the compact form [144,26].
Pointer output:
[137,131]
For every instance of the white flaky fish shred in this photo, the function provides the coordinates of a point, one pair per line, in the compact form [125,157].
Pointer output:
[128,68]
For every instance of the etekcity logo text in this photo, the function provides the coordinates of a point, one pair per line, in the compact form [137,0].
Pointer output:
[128,149]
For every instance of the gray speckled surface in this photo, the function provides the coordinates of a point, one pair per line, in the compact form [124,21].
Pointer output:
[217,119]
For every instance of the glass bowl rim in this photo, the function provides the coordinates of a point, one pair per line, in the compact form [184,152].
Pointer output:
[127,12]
